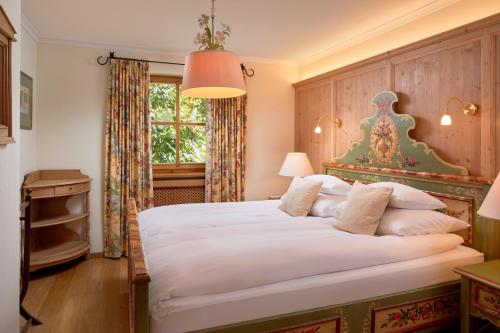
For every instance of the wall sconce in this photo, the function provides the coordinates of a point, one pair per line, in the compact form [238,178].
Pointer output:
[469,109]
[337,121]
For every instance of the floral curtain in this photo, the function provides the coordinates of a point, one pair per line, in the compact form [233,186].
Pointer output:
[225,161]
[128,169]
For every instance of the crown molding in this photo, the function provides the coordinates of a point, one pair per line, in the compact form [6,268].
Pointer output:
[157,52]
[30,29]
[270,61]
[112,47]
[402,20]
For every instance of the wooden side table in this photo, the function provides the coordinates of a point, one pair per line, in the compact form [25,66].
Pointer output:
[60,213]
[480,294]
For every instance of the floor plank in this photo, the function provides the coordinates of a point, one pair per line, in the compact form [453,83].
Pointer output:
[88,296]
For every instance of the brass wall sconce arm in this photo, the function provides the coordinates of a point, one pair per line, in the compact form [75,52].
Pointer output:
[469,109]
[337,122]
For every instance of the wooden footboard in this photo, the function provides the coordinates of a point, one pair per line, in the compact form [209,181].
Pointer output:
[138,276]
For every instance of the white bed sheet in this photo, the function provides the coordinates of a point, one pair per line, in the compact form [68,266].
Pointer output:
[209,252]
[198,312]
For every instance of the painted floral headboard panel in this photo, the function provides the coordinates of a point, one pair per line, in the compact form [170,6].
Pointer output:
[386,143]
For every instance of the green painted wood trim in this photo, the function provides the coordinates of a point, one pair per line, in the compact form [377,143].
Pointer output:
[141,308]
[489,271]
[356,316]
[386,142]
[464,305]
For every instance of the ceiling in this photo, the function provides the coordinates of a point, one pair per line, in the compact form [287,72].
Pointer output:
[284,30]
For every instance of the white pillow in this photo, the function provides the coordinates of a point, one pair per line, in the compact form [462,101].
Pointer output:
[300,196]
[364,208]
[332,185]
[404,196]
[328,205]
[409,222]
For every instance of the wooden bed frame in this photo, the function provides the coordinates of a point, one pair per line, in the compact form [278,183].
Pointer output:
[412,163]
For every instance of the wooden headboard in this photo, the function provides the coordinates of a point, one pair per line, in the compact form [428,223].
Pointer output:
[387,153]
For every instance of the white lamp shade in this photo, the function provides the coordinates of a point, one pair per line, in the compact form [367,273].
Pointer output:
[490,207]
[446,120]
[296,164]
[213,74]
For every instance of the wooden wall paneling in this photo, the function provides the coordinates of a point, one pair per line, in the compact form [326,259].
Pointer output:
[390,77]
[312,102]
[425,83]
[496,90]
[333,111]
[463,62]
[491,76]
[354,94]
[487,111]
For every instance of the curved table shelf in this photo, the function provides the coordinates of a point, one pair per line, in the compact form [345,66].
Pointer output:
[58,235]
[57,253]
[62,219]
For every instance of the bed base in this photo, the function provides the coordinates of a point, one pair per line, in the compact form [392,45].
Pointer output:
[422,310]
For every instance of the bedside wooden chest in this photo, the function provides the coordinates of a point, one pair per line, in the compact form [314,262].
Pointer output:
[480,294]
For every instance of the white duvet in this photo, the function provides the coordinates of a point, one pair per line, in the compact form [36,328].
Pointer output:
[203,249]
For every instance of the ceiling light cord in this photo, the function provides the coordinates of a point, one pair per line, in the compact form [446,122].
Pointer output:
[213,21]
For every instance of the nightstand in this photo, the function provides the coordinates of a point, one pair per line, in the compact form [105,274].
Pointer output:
[480,294]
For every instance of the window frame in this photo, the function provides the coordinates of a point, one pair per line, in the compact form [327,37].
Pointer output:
[177,169]
[7,36]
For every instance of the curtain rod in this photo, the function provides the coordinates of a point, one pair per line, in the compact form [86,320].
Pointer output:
[102,60]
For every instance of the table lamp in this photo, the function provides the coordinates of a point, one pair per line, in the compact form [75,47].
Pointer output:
[296,165]
[490,207]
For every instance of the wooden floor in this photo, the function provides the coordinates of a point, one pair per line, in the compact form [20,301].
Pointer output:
[86,297]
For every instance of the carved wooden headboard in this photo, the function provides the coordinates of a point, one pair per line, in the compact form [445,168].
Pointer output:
[387,153]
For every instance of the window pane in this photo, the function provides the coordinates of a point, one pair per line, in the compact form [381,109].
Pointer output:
[192,144]
[162,98]
[163,143]
[193,110]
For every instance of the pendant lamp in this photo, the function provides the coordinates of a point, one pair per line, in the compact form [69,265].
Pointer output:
[212,72]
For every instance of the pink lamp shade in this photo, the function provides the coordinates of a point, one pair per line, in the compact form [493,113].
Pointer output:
[213,74]
[296,164]
[490,207]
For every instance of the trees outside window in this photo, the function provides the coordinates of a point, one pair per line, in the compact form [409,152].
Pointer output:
[178,125]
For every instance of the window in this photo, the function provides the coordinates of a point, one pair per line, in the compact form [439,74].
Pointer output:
[178,125]
[7,33]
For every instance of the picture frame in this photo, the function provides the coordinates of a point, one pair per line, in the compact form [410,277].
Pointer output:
[26,101]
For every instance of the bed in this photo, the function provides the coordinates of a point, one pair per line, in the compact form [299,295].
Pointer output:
[249,267]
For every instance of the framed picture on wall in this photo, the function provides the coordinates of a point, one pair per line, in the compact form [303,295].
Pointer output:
[26,96]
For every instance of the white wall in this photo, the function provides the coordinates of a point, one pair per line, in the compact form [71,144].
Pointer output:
[270,128]
[72,100]
[9,195]
[70,124]
[28,144]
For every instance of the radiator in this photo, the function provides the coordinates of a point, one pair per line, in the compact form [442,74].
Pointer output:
[164,196]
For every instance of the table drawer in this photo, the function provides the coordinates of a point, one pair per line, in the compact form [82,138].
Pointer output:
[486,298]
[70,189]
[42,192]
